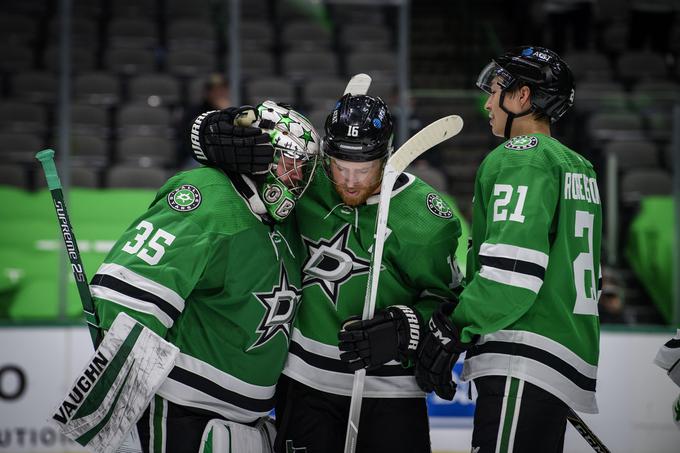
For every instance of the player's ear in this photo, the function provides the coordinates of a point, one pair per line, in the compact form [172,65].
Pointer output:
[524,94]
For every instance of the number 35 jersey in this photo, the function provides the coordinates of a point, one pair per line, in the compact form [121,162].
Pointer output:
[534,271]
[203,271]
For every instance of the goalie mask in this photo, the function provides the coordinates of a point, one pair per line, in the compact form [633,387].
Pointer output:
[296,149]
[542,70]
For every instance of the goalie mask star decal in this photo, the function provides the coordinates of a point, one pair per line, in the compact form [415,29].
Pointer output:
[330,263]
[279,305]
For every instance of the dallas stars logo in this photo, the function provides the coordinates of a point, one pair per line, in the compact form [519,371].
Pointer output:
[522,142]
[331,263]
[279,305]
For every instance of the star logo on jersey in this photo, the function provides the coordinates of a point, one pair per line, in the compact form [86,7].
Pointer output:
[184,198]
[331,263]
[521,142]
[279,306]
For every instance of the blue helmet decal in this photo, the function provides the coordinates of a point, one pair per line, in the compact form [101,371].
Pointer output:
[528,51]
[377,123]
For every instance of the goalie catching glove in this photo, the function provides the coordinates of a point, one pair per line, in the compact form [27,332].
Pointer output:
[227,139]
[438,352]
[392,334]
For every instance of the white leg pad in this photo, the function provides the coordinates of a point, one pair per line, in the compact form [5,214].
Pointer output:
[221,436]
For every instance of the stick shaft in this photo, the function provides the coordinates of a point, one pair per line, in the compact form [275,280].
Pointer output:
[46,158]
[587,434]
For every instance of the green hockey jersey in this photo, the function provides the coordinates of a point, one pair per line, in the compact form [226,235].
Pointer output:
[534,270]
[201,269]
[418,269]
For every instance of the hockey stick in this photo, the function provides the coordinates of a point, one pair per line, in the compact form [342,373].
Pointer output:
[46,158]
[358,84]
[583,429]
[428,137]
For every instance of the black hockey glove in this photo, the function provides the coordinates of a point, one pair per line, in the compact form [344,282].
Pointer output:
[226,139]
[392,334]
[438,351]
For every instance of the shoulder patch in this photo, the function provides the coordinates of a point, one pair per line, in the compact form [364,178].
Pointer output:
[185,198]
[522,142]
[438,206]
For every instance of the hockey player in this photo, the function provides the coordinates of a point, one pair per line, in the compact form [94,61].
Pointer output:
[530,306]
[214,268]
[528,315]
[337,220]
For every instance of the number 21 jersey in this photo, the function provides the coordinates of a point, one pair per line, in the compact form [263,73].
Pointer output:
[534,275]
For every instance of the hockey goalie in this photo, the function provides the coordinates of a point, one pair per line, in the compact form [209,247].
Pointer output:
[197,299]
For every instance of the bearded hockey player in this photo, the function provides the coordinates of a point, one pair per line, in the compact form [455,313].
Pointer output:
[337,220]
[213,267]
[528,315]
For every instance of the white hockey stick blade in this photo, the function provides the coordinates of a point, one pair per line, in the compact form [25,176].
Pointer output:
[358,84]
[426,138]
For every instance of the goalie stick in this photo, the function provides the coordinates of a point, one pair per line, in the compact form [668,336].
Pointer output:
[429,136]
[46,158]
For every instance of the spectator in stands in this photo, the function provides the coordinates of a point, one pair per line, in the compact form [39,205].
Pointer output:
[215,97]
[610,305]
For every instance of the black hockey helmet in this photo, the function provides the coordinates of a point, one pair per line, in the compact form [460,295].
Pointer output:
[358,129]
[542,70]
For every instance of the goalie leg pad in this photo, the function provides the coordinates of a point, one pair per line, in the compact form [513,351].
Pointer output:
[116,386]
[221,436]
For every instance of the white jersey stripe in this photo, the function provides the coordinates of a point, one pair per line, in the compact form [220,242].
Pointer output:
[132,303]
[143,283]
[185,395]
[515,253]
[511,278]
[543,343]
[308,344]
[341,383]
[223,379]
[534,372]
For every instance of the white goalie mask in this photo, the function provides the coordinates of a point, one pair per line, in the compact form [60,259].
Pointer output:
[296,149]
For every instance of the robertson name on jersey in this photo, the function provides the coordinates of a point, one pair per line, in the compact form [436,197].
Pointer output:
[418,269]
[534,270]
[201,269]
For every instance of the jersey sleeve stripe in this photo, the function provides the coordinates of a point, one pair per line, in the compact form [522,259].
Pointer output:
[514,252]
[508,264]
[121,287]
[516,279]
[143,283]
[103,292]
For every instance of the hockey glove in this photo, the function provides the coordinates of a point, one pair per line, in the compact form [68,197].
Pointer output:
[226,139]
[392,334]
[438,352]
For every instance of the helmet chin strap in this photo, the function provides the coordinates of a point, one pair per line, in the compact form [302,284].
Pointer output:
[511,115]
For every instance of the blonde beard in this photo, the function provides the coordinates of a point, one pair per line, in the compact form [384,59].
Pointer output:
[358,199]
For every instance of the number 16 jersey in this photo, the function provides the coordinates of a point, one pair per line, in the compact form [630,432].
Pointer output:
[534,271]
